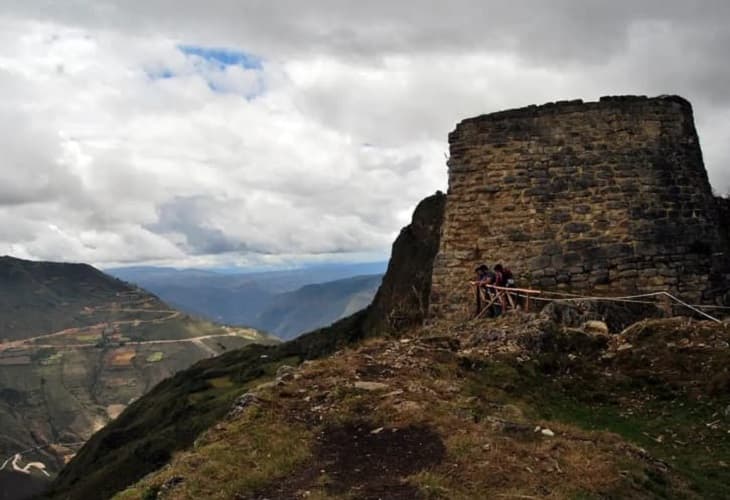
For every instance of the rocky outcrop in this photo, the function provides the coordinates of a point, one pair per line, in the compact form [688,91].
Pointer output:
[608,196]
[403,297]
[723,208]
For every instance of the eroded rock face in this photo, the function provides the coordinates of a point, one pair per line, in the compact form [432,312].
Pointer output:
[608,196]
[403,297]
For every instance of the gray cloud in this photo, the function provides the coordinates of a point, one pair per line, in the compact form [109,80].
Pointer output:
[116,146]
[185,217]
[589,31]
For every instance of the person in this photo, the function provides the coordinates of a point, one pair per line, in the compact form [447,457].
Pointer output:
[498,276]
[505,278]
[499,305]
[484,277]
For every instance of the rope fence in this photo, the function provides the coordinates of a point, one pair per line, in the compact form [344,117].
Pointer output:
[529,294]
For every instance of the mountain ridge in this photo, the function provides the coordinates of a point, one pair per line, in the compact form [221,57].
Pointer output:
[36,295]
[258,299]
[76,347]
[316,305]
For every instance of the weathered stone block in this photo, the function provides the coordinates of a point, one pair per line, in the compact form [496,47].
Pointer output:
[559,217]
[539,262]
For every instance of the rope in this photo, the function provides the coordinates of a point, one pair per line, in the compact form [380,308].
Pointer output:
[712,307]
[627,299]
[577,299]
[691,307]
[700,306]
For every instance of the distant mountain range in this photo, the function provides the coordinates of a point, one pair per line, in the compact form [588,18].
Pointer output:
[312,306]
[285,303]
[76,347]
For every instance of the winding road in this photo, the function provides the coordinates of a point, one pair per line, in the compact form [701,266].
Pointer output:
[170,314]
[16,457]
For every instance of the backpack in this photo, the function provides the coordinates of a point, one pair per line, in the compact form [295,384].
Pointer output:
[507,276]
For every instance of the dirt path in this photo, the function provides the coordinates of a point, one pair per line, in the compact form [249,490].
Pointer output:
[144,342]
[15,457]
[30,465]
[199,342]
[372,463]
[79,330]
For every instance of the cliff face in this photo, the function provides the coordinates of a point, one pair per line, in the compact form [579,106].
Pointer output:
[723,207]
[606,197]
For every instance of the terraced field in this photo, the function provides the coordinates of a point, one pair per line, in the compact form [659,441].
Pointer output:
[59,386]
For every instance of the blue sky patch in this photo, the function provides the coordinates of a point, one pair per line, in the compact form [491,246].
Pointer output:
[159,74]
[223,57]
[210,63]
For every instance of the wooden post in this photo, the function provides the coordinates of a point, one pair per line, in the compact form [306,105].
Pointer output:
[499,295]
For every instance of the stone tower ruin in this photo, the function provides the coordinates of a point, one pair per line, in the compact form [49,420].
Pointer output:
[605,197]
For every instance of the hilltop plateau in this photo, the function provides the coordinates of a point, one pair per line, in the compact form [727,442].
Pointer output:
[520,407]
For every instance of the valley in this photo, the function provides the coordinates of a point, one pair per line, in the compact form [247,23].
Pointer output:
[59,386]
[285,303]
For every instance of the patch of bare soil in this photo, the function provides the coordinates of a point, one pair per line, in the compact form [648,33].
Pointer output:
[364,463]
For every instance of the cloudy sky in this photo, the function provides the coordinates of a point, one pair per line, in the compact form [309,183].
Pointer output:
[249,133]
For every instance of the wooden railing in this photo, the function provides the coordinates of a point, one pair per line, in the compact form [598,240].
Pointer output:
[506,297]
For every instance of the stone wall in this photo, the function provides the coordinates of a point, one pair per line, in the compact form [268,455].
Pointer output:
[605,197]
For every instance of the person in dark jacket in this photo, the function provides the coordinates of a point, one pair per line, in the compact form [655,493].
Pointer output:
[484,277]
[505,278]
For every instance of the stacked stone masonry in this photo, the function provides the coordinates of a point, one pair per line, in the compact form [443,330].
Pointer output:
[605,197]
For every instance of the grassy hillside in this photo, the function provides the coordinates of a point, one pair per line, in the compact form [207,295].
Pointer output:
[519,407]
[41,297]
[178,410]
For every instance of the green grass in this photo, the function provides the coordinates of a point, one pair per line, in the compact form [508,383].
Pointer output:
[653,412]
[674,432]
[54,358]
[155,357]
[238,459]
[87,338]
